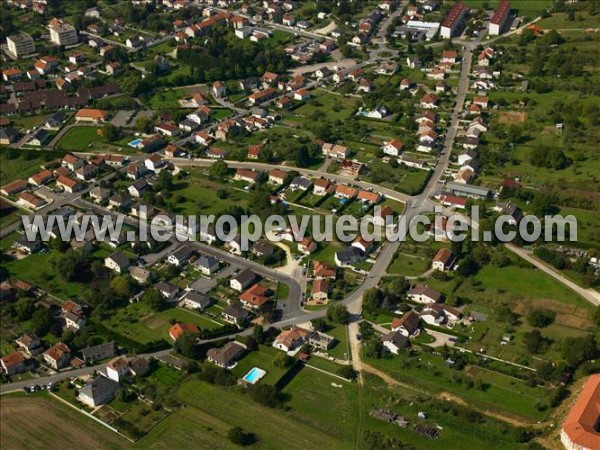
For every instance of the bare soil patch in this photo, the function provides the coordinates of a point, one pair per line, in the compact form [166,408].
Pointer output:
[512,116]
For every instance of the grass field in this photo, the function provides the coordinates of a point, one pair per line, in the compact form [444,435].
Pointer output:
[86,139]
[212,411]
[23,163]
[42,422]
[408,265]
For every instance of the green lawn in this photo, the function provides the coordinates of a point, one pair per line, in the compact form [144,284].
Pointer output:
[16,164]
[83,138]
[263,358]
[213,410]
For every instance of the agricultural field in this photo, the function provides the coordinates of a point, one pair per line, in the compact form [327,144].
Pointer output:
[43,422]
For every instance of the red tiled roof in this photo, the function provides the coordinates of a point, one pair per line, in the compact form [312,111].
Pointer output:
[580,425]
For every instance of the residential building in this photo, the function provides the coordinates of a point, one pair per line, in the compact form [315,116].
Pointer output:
[289,340]
[443,260]
[393,147]
[117,368]
[242,280]
[30,344]
[180,256]
[20,45]
[98,391]
[453,21]
[13,364]
[498,22]
[91,115]
[394,341]
[195,300]
[62,33]
[119,262]
[58,356]
[236,315]
[320,290]
[423,294]
[179,329]
[207,264]
[98,352]
[255,297]
[226,356]
[408,324]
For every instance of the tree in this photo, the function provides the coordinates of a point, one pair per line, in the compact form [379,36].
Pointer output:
[122,287]
[372,299]
[24,309]
[338,313]
[144,124]
[535,341]
[111,132]
[187,346]
[541,318]
[164,182]
[238,436]
[267,395]
[154,299]
[258,334]
[347,372]
[41,320]
[218,169]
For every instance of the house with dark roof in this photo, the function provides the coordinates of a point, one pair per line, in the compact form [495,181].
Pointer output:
[98,352]
[394,341]
[98,391]
[349,257]
[195,300]
[421,293]
[226,356]
[119,262]
[207,264]
[408,324]
[236,315]
[180,256]
[242,280]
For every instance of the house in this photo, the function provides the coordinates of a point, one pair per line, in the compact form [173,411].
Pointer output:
[91,115]
[408,324]
[139,366]
[255,297]
[68,184]
[72,162]
[463,176]
[58,356]
[140,275]
[30,200]
[98,391]
[86,172]
[363,244]
[405,84]
[320,290]
[368,197]
[302,94]
[226,356]
[7,135]
[429,101]
[421,293]
[180,256]
[14,188]
[343,191]
[449,56]
[466,156]
[443,260]
[394,341]
[195,300]
[236,315]
[289,340]
[248,175]
[24,245]
[393,147]
[30,344]
[349,257]
[242,280]
[322,270]
[116,369]
[218,89]
[277,176]
[262,249]
[167,290]
[167,129]
[481,101]
[99,194]
[38,138]
[301,183]
[335,151]
[120,201]
[138,188]
[307,245]
[203,138]
[207,264]
[98,352]
[119,262]
[216,153]
[254,151]
[511,210]
[321,186]
[179,329]
[13,364]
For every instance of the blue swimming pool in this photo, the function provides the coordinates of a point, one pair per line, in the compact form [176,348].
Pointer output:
[254,375]
[135,143]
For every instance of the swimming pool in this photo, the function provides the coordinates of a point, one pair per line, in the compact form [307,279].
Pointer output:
[254,375]
[135,143]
